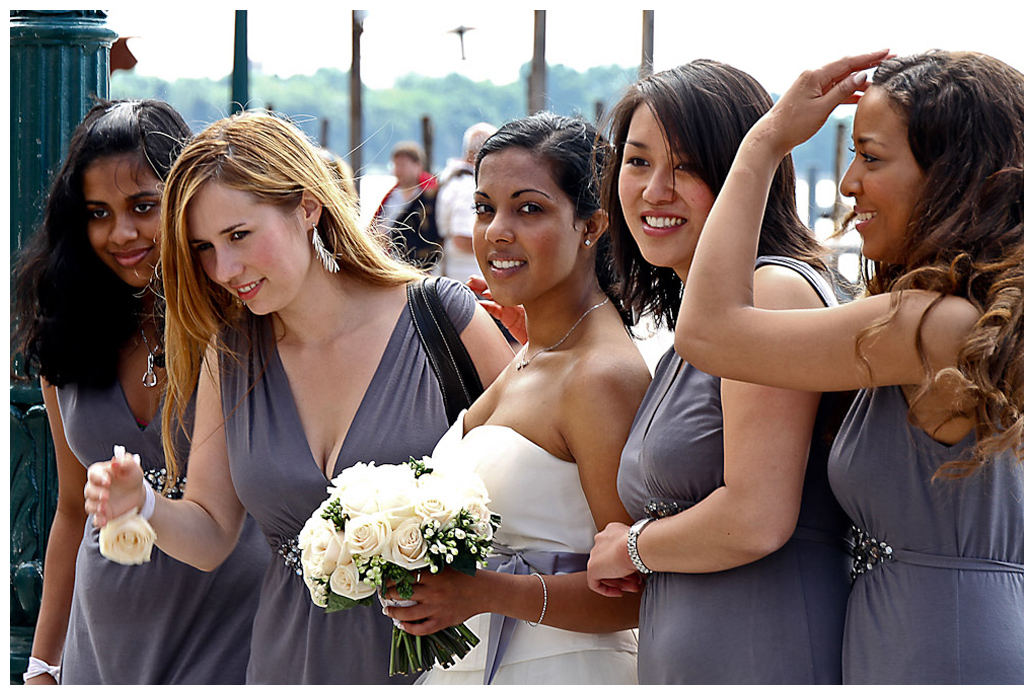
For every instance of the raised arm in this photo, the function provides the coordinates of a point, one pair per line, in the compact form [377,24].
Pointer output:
[202,528]
[722,332]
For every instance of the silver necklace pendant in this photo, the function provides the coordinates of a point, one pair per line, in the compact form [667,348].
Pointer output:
[527,360]
[150,378]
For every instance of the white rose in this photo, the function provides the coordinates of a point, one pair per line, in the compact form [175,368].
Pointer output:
[407,548]
[344,581]
[128,539]
[437,501]
[358,498]
[321,544]
[396,492]
[368,536]
[483,515]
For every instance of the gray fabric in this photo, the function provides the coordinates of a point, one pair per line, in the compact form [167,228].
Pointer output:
[926,617]
[162,622]
[776,620]
[402,414]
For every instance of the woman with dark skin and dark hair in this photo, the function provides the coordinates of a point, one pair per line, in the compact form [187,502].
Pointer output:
[928,463]
[547,435]
[747,580]
[90,326]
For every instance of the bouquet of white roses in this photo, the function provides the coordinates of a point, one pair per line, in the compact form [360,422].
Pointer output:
[383,523]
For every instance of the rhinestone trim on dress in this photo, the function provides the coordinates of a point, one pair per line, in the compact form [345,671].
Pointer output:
[156,479]
[659,509]
[867,552]
[291,554]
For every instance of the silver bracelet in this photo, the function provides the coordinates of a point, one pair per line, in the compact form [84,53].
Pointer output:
[633,544]
[37,667]
[545,601]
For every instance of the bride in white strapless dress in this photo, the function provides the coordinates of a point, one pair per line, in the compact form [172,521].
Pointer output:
[546,435]
[543,508]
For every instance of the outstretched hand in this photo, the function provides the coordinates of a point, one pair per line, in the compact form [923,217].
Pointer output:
[113,488]
[806,105]
[611,572]
[512,317]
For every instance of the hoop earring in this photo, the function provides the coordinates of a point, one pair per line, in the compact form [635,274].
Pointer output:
[325,256]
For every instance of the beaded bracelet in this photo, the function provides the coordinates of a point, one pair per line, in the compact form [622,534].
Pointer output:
[545,601]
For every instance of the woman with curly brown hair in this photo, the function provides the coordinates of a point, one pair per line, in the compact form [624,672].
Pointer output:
[928,464]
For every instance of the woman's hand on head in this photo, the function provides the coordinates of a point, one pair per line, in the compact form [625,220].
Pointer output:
[808,103]
[113,488]
[442,600]
[512,317]
[611,571]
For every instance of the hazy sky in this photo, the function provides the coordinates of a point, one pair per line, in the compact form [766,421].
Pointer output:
[773,40]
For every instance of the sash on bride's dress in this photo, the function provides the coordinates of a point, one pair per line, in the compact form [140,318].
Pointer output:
[516,562]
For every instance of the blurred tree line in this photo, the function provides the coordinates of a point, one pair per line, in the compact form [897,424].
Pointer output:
[453,103]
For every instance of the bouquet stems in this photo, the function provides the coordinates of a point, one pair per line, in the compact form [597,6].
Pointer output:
[414,653]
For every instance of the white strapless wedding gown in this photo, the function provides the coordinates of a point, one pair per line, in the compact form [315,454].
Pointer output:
[543,508]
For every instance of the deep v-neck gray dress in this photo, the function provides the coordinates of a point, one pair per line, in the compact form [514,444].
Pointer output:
[402,414]
[162,622]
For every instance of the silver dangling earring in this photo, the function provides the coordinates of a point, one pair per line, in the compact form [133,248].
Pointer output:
[325,256]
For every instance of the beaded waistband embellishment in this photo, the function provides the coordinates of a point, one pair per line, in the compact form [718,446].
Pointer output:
[156,479]
[659,508]
[867,552]
[291,555]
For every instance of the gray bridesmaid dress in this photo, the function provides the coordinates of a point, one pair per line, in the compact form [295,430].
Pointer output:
[939,593]
[163,622]
[402,414]
[778,620]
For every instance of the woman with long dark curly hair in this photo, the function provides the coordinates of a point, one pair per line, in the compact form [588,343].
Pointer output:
[928,463]
[89,322]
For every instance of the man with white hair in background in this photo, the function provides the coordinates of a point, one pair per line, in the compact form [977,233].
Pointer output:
[454,212]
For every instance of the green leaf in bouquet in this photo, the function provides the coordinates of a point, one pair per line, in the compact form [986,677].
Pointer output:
[419,467]
[336,602]
[334,513]
[465,563]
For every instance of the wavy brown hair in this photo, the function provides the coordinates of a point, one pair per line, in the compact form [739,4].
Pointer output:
[964,114]
[271,159]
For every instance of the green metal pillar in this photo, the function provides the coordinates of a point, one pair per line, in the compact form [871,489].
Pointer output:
[59,61]
[239,81]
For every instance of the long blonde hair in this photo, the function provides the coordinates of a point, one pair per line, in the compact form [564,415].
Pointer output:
[273,160]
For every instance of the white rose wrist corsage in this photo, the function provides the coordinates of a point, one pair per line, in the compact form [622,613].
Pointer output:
[129,539]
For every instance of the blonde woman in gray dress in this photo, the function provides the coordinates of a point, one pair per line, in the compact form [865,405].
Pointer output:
[294,319]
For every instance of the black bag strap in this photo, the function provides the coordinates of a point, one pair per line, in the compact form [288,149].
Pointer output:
[455,371]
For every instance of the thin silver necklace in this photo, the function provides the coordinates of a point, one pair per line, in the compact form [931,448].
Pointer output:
[525,362]
[150,378]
